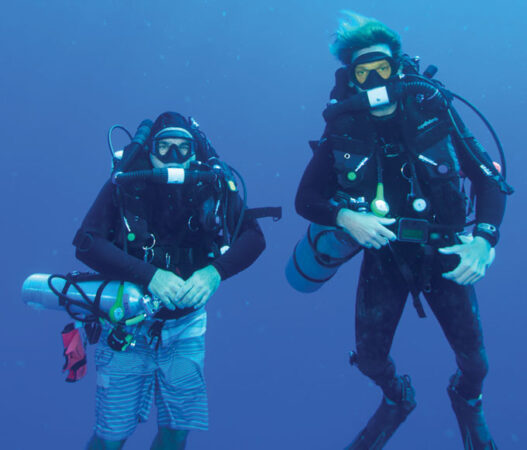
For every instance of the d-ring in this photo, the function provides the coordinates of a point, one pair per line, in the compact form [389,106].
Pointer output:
[403,167]
[150,247]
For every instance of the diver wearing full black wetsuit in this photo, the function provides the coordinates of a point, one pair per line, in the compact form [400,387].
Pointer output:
[403,159]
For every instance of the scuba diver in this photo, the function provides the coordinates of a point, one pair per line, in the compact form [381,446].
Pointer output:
[388,174]
[172,221]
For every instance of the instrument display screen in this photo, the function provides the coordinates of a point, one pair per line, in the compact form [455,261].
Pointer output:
[412,230]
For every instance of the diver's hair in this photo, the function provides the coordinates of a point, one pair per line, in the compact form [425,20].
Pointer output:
[356,31]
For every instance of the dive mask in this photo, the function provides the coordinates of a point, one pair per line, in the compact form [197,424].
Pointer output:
[373,72]
[173,145]
[168,151]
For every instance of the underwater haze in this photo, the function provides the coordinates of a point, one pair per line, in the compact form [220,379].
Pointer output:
[256,75]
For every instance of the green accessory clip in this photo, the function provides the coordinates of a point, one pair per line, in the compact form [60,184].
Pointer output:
[352,176]
[378,206]
[116,312]
[135,320]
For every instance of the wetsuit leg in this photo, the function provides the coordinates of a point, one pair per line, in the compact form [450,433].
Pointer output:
[457,311]
[471,419]
[381,297]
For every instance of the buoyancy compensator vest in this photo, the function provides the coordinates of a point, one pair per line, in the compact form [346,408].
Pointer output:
[428,95]
[190,215]
[425,152]
[430,130]
[203,205]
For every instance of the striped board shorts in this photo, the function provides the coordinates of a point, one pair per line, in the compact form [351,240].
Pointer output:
[128,382]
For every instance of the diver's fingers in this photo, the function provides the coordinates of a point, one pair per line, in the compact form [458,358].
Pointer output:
[385,220]
[197,293]
[465,277]
[450,250]
[172,291]
[478,274]
[380,240]
[372,239]
[475,272]
[456,274]
[166,301]
[472,279]
[387,233]
[203,299]
[185,293]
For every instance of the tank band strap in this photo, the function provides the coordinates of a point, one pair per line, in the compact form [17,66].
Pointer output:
[307,277]
[270,211]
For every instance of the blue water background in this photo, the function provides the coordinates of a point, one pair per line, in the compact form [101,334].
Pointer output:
[256,75]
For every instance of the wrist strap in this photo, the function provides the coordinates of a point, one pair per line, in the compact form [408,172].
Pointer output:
[488,232]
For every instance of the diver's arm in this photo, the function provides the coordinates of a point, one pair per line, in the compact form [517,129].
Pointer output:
[243,252]
[95,249]
[490,209]
[476,255]
[490,206]
[245,249]
[113,263]
[490,200]
[317,186]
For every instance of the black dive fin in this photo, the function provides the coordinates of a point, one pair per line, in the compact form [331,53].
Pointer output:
[388,417]
[472,424]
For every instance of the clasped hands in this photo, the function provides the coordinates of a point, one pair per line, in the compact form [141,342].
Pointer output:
[475,254]
[194,292]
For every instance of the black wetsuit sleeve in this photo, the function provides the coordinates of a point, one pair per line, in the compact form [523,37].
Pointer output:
[249,244]
[490,200]
[317,186]
[97,251]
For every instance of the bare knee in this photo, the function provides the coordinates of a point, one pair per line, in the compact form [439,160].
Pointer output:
[169,438]
[97,443]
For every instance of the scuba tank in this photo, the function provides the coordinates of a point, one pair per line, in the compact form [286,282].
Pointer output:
[318,256]
[84,295]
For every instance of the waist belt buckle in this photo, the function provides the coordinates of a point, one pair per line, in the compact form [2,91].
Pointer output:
[413,230]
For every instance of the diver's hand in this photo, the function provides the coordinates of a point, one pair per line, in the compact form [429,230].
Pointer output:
[165,286]
[475,254]
[366,228]
[197,290]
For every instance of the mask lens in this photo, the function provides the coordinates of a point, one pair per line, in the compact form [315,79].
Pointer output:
[170,152]
[162,148]
[382,67]
[384,70]
[184,148]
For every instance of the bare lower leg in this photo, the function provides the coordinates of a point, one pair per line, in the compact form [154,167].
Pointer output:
[97,443]
[167,439]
